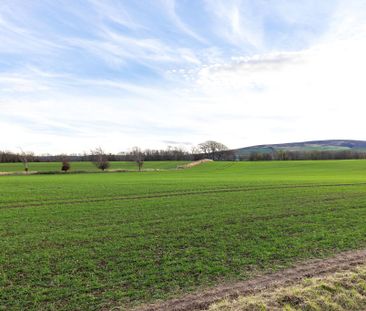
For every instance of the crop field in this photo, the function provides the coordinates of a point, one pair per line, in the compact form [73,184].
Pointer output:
[88,166]
[99,241]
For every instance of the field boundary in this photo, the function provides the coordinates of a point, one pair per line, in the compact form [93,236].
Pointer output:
[32,173]
[313,268]
[97,171]
[32,203]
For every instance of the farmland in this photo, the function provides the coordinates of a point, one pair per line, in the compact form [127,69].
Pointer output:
[87,166]
[94,241]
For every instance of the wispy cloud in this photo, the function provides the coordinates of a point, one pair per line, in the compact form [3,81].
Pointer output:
[112,11]
[237,22]
[75,75]
[170,7]
[17,39]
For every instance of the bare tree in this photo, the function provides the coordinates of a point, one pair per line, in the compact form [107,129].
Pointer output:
[138,157]
[8,156]
[24,157]
[196,153]
[65,165]
[99,158]
[212,149]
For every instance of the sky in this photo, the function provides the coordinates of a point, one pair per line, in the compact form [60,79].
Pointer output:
[79,74]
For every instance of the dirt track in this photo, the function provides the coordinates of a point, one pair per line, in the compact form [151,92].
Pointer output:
[201,301]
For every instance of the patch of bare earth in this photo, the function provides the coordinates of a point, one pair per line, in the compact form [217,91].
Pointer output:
[314,268]
[18,173]
[195,163]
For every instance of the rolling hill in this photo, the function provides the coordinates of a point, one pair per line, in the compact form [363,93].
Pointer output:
[316,145]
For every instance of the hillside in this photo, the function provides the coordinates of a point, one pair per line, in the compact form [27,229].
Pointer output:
[317,145]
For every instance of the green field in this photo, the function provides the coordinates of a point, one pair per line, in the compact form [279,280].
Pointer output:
[88,166]
[94,241]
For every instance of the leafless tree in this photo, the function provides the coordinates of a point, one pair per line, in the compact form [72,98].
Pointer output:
[99,158]
[138,157]
[196,153]
[8,156]
[25,157]
[212,149]
[65,165]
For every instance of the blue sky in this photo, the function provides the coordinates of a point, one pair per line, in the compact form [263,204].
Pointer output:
[121,73]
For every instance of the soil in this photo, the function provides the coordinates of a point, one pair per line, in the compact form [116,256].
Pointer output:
[314,268]
[195,163]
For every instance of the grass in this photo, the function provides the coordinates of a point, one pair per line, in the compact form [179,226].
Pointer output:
[342,291]
[88,166]
[93,241]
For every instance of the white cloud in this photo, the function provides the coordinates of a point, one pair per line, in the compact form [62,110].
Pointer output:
[318,91]
[236,22]
[170,8]
[113,11]
[268,97]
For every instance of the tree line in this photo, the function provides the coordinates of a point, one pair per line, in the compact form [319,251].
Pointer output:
[285,155]
[208,149]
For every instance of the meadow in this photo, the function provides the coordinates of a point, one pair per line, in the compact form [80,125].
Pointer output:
[87,166]
[98,241]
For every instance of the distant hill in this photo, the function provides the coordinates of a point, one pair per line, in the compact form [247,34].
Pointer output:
[315,145]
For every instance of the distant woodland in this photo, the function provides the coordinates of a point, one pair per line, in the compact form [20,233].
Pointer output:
[208,149]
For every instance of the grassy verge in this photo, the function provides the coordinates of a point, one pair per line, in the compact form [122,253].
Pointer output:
[343,291]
